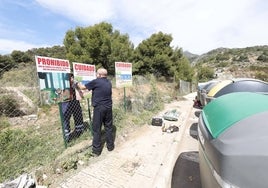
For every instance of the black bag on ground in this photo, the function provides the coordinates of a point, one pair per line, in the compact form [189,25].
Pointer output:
[157,121]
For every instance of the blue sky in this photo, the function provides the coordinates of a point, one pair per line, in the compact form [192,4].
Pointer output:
[197,26]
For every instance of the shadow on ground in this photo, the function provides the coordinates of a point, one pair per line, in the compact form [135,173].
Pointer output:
[194,131]
[186,171]
[197,113]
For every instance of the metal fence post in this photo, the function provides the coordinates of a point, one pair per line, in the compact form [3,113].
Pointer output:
[89,117]
[62,126]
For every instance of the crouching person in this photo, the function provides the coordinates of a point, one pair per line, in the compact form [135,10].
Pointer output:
[72,108]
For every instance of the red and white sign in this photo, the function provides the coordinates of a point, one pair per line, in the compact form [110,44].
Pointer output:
[83,73]
[88,72]
[48,64]
[54,80]
[123,72]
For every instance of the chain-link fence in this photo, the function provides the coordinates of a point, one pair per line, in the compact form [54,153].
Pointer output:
[36,128]
[23,103]
[75,118]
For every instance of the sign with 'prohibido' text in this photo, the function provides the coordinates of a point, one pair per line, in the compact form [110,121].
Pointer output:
[54,79]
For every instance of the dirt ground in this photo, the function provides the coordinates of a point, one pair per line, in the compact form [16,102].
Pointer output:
[143,157]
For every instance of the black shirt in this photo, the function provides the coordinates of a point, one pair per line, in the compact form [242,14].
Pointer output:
[101,92]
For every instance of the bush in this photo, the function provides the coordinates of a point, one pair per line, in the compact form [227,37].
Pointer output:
[205,73]
[263,58]
[9,106]
[261,76]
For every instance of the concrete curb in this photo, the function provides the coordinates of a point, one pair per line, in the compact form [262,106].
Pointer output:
[166,172]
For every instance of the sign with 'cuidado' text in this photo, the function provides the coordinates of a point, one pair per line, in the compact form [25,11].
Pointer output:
[123,72]
[83,73]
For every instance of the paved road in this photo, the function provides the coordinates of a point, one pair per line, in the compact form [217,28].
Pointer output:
[145,160]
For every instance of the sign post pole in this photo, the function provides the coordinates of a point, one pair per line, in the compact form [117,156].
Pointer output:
[125,104]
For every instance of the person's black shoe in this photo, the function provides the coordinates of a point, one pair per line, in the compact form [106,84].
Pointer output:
[110,149]
[95,154]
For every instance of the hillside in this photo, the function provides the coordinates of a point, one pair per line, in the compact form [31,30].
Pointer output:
[236,62]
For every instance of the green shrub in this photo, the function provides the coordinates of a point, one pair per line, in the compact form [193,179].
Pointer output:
[263,57]
[205,74]
[261,76]
[9,106]
[223,64]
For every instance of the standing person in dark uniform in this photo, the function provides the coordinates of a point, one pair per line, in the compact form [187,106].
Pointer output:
[69,108]
[102,114]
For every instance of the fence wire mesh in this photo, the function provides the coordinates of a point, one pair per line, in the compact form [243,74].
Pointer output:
[23,103]
[75,118]
[35,129]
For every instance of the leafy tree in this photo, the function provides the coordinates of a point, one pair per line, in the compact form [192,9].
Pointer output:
[183,70]
[205,73]
[55,52]
[20,57]
[122,48]
[13,60]
[98,45]
[154,56]
[6,63]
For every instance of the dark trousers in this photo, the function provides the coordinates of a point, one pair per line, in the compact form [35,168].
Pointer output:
[72,108]
[102,115]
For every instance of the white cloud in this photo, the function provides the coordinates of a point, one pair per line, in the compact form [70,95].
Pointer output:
[196,26]
[7,46]
[81,11]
